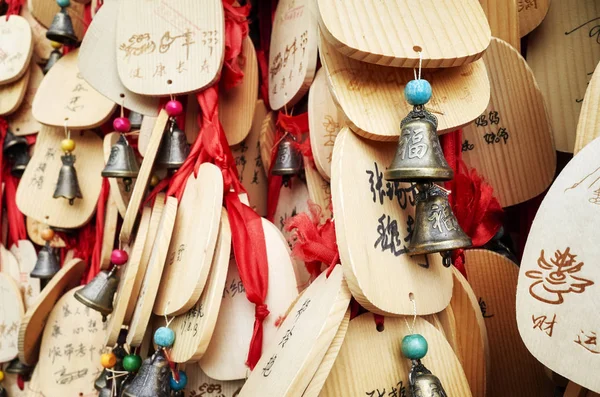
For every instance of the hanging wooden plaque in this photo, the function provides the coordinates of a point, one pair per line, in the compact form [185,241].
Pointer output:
[588,127]
[380,273]
[200,384]
[558,277]
[171,47]
[26,257]
[16,43]
[22,121]
[9,265]
[34,230]
[563,53]
[11,312]
[531,14]
[118,192]
[393,33]
[319,190]
[44,11]
[193,243]
[372,96]
[12,94]
[503,17]
[41,45]
[36,190]
[267,137]
[111,218]
[510,143]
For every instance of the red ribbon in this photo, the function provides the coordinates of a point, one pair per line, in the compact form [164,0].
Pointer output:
[14,7]
[94,268]
[266,15]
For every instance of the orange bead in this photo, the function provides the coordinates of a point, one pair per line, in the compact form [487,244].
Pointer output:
[108,360]
[47,234]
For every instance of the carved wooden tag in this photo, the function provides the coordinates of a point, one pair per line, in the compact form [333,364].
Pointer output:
[588,127]
[293,356]
[22,121]
[563,53]
[531,14]
[118,193]
[510,143]
[26,257]
[34,230]
[200,384]
[171,47]
[267,137]
[228,349]
[98,62]
[41,45]
[11,312]
[36,190]
[319,190]
[503,17]
[493,278]
[372,96]
[194,328]
[44,11]
[374,220]
[558,277]
[374,360]
[386,32]
[16,43]
[12,94]
[193,243]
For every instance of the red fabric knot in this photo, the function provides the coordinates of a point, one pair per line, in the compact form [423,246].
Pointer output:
[261,312]
[14,7]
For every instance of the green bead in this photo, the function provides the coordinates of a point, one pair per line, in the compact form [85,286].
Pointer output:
[63,3]
[132,362]
[414,347]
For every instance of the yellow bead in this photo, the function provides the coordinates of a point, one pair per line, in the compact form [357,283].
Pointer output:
[154,180]
[1,376]
[56,45]
[108,360]
[67,145]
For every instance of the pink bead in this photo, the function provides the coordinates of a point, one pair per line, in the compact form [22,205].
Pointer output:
[174,108]
[122,124]
[119,257]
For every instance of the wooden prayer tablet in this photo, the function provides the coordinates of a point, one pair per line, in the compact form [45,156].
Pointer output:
[199,383]
[26,257]
[41,45]
[372,96]
[111,218]
[510,143]
[563,53]
[170,48]
[16,43]
[267,139]
[228,349]
[503,17]
[10,266]
[192,246]
[319,190]
[22,122]
[588,127]
[145,133]
[293,52]
[65,98]
[325,121]
[494,278]
[531,14]
[98,62]
[194,328]
[558,279]
[373,361]
[236,105]
[12,94]
[34,230]
[373,220]
[44,11]
[118,193]
[71,347]
[248,161]
[10,317]
[447,33]
[35,192]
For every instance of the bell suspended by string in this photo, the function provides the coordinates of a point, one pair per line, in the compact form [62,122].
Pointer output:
[15,149]
[61,30]
[419,156]
[423,383]
[47,264]
[122,163]
[17,367]
[135,120]
[288,160]
[174,148]
[19,163]
[55,55]
[98,294]
[152,380]
[102,380]
[68,185]
[436,228]
[13,144]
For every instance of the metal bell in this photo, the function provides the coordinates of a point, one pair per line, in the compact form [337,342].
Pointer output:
[19,163]
[152,380]
[102,380]
[105,392]
[122,162]
[55,55]
[174,148]
[436,228]
[289,159]
[135,120]
[68,185]
[13,144]
[61,29]
[17,367]
[419,156]
[98,294]
[423,383]
[47,264]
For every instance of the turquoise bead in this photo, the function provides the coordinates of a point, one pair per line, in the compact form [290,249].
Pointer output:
[414,347]
[177,386]
[164,337]
[417,92]
[63,3]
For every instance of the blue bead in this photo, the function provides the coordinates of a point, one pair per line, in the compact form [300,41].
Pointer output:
[177,386]
[63,3]
[414,347]
[417,92]
[164,337]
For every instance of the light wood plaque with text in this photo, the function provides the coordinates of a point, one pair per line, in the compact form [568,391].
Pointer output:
[41,45]
[22,121]
[503,18]
[531,14]
[199,382]
[11,312]
[12,94]
[26,257]
[16,45]
[588,127]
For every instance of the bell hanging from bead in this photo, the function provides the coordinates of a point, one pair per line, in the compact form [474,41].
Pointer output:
[61,30]
[423,383]
[122,163]
[17,367]
[47,264]
[135,119]
[152,380]
[68,185]
[436,228]
[55,55]
[288,160]
[174,148]
[98,294]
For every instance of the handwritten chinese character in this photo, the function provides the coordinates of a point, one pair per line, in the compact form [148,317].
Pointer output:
[589,342]
[544,324]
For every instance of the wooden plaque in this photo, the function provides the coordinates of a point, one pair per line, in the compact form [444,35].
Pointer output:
[26,257]
[373,223]
[531,14]
[16,43]
[12,94]
[11,385]
[111,218]
[171,47]
[22,121]
[503,17]
[41,45]
[448,33]
[319,190]
[199,383]
[558,277]
[9,265]
[11,312]
[44,11]
[510,143]
[36,190]
[372,96]
[34,230]
[193,243]
[588,127]
[119,195]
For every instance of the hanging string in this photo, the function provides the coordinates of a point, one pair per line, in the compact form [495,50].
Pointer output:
[411,327]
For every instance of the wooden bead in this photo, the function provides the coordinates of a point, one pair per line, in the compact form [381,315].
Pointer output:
[67,145]
[108,360]
[47,234]
[122,124]
[119,257]
[174,108]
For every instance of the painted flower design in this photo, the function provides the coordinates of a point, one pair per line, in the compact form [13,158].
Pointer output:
[557,277]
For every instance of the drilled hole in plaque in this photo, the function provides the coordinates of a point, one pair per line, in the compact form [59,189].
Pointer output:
[169,82]
[417,48]
[121,95]
[380,327]
[411,296]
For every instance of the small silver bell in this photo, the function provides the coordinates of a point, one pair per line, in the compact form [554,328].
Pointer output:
[98,294]
[152,379]
[68,185]
[174,148]
[47,264]
[423,383]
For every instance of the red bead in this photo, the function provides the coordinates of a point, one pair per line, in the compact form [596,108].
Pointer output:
[174,108]
[119,257]
[122,124]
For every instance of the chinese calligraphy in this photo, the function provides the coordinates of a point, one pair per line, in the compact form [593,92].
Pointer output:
[544,324]
[490,137]
[588,342]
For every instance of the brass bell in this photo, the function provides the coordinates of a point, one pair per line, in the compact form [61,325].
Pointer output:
[19,163]
[98,294]
[55,55]
[61,29]
[135,120]
[423,383]
[68,185]
[47,264]
[419,156]
[17,367]
[152,379]
[288,160]
[15,148]
[122,163]
[174,148]
[436,228]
